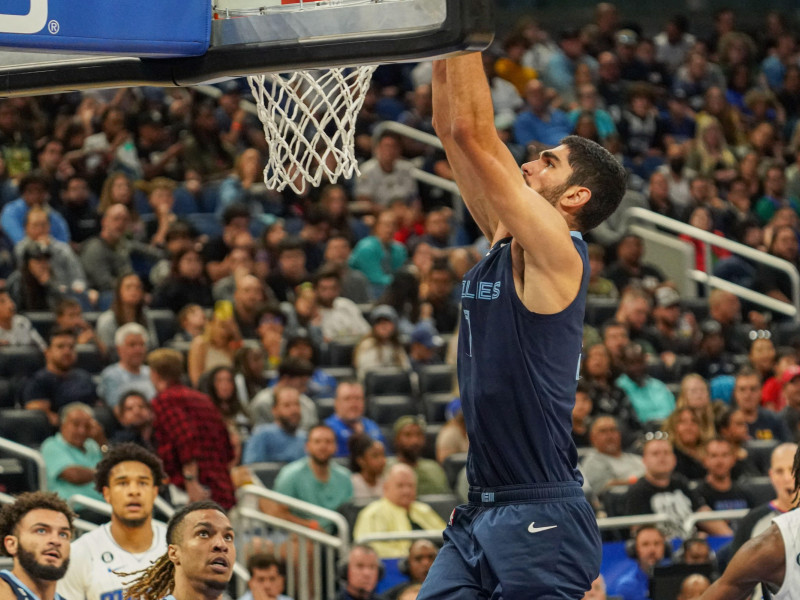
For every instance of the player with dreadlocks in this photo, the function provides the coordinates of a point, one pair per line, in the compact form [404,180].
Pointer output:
[199,560]
[35,531]
[770,558]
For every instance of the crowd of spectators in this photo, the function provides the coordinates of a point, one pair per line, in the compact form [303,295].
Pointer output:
[118,205]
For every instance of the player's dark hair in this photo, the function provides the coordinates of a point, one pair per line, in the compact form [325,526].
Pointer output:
[12,514]
[157,580]
[264,560]
[596,168]
[124,453]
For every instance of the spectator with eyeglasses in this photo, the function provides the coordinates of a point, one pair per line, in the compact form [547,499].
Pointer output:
[661,490]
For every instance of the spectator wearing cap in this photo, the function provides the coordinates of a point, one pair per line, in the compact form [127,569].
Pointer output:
[33,285]
[348,417]
[409,442]
[424,344]
[673,332]
[339,316]
[378,256]
[397,511]
[650,397]
[295,373]
[33,190]
[539,122]
[235,222]
[791,393]
[631,68]
[158,154]
[381,347]
[559,72]
[712,358]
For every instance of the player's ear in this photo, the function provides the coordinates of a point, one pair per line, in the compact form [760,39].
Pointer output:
[106,494]
[174,554]
[10,543]
[575,197]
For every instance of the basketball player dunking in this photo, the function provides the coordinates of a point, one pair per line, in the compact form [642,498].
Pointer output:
[527,531]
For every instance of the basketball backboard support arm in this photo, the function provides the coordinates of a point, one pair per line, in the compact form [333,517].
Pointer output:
[281,41]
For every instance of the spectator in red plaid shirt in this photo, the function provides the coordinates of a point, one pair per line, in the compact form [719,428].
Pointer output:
[191,437]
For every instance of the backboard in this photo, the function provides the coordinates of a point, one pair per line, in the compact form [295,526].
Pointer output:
[244,41]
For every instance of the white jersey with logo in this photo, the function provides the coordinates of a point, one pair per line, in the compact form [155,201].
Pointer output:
[789,526]
[94,559]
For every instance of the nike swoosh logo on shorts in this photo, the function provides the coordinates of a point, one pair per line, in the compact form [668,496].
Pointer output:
[532,529]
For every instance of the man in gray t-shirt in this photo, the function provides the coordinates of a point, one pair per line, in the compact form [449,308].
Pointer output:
[607,465]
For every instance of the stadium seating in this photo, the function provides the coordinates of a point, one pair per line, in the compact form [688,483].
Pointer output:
[759,453]
[759,489]
[388,381]
[266,472]
[443,504]
[385,410]
[435,379]
[434,406]
[27,427]
[452,466]
[20,361]
[324,407]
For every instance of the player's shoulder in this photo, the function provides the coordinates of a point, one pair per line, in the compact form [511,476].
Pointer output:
[91,541]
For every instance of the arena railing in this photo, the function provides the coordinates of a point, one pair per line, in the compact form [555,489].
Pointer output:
[316,550]
[19,450]
[710,281]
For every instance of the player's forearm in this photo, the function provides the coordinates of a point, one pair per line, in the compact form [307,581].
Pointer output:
[469,99]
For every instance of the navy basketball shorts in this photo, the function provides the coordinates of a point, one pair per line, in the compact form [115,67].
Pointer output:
[518,542]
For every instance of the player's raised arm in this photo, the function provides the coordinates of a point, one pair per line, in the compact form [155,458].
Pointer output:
[531,219]
[468,184]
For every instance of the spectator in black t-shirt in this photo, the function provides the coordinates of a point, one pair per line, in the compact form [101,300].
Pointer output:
[59,383]
[290,269]
[82,219]
[628,269]
[661,490]
[235,221]
[718,490]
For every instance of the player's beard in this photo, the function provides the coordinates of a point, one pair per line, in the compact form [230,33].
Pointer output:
[553,194]
[36,570]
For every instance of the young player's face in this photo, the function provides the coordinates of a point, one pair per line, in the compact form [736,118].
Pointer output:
[40,544]
[548,173]
[131,492]
[205,552]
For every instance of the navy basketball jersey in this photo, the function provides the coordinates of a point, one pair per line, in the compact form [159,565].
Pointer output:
[21,591]
[517,372]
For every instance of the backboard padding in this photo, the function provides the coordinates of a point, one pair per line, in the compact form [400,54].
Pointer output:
[372,33]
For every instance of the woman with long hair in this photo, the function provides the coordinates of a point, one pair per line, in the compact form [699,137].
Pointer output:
[32,286]
[694,394]
[118,188]
[248,365]
[217,346]
[367,462]
[219,384]
[127,306]
[710,155]
[688,441]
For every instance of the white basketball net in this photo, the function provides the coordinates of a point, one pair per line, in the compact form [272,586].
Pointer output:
[309,121]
